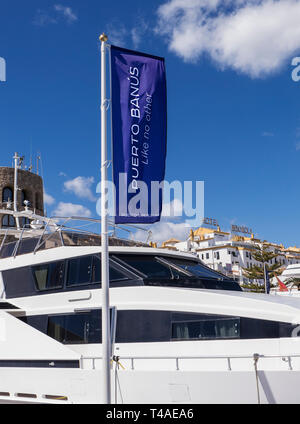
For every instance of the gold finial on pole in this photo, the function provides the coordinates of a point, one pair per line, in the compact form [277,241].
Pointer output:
[103,38]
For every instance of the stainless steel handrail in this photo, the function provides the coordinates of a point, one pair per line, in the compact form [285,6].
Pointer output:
[177,358]
[208,356]
[14,254]
[59,228]
[3,241]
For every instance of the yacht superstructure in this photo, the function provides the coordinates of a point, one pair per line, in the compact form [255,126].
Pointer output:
[291,271]
[180,331]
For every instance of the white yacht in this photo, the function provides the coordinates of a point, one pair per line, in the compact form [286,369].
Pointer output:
[181,332]
[291,272]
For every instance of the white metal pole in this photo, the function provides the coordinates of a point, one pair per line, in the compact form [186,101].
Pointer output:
[16,159]
[106,354]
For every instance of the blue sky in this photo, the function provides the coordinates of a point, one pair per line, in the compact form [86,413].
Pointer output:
[233,108]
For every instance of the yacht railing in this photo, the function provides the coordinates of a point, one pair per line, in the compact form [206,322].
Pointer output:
[50,230]
[4,238]
[177,360]
[117,360]
[133,359]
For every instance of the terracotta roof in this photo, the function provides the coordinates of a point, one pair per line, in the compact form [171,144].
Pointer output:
[171,240]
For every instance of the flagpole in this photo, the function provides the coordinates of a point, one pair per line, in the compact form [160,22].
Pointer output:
[266,279]
[106,354]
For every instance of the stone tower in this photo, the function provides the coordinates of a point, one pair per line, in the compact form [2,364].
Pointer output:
[30,188]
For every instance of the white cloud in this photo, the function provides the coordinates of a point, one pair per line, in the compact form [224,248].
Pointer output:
[70,209]
[267,134]
[43,18]
[117,33]
[81,187]
[67,13]
[54,15]
[167,227]
[62,174]
[255,37]
[138,32]
[121,35]
[172,209]
[48,199]
[164,230]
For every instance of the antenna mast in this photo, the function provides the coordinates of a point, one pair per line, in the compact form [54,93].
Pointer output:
[16,159]
[37,163]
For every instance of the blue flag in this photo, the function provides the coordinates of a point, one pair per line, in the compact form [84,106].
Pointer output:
[139,122]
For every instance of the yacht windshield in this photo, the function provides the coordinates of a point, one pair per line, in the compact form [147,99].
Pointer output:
[209,278]
[168,271]
[196,268]
[152,267]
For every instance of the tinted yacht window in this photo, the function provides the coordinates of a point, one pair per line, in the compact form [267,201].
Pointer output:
[79,270]
[166,271]
[49,276]
[213,284]
[87,270]
[140,326]
[195,268]
[76,328]
[114,274]
[150,266]
[206,328]
[209,278]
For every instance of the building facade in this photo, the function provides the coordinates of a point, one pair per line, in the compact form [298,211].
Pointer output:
[30,190]
[229,252]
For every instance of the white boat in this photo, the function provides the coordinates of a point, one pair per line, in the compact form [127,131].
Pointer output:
[290,272]
[181,332]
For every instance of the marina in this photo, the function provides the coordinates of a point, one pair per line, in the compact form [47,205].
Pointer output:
[164,319]
[151,260]
[231,252]
[174,322]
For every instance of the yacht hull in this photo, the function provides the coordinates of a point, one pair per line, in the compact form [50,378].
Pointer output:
[150,387]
